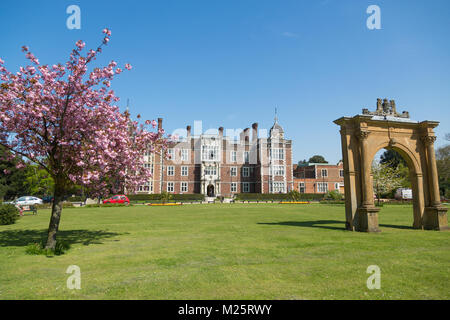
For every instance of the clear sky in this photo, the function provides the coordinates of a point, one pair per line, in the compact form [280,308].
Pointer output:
[229,62]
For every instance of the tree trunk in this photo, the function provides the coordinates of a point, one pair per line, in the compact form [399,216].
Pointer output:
[55,218]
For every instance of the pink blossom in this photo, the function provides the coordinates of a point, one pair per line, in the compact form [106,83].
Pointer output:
[128,66]
[107,32]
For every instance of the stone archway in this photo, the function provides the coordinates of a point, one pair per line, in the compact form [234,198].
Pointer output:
[362,136]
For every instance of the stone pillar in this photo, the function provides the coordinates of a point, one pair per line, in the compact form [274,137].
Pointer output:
[367,188]
[435,217]
[366,219]
[433,173]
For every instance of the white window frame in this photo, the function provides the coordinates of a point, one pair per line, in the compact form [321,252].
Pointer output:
[184,171]
[246,187]
[301,185]
[170,171]
[341,173]
[184,154]
[210,171]
[233,156]
[326,173]
[246,156]
[210,153]
[234,187]
[278,171]
[277,187]
[171,153]
[246,172]
[170,186]
[277,154]
[184,187]
[233,172]
[322,187]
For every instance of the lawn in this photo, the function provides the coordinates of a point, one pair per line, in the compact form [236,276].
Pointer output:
[234,251]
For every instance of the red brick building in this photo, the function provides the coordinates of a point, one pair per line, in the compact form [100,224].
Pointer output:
[319,178]
[218,164]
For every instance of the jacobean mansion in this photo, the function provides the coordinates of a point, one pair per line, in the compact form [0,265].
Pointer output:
[220,165]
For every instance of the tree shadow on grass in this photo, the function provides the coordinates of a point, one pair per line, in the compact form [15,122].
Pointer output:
[21,238]
[309,224]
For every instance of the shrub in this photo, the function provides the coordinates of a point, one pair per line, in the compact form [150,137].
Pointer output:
[277,196]
[334,195]
[39,249]
[8,214]
[159,197]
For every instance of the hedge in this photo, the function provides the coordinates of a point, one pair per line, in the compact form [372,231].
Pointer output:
[174,197]
[276,196]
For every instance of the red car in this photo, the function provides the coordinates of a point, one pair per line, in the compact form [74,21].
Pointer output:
[120,198]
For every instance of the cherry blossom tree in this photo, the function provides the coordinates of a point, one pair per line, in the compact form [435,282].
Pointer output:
[65,119]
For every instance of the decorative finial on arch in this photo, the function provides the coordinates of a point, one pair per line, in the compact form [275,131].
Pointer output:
[386,108]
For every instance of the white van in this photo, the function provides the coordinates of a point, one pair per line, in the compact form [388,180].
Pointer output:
[403,194]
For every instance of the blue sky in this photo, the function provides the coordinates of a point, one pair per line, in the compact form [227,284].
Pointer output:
[229,63]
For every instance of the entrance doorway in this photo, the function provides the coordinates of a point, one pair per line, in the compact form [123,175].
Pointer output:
[210,191]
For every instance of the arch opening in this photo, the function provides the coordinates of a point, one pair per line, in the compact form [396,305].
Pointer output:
[392,175]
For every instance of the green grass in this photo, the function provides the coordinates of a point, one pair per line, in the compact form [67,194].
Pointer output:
[235,251]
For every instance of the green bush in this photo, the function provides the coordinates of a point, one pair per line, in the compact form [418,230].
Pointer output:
[278,196]
[8,214]
[174,197]
[334,195]
[39,249]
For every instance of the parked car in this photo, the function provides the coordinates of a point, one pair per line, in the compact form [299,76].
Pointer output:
[120,198]
[27,201]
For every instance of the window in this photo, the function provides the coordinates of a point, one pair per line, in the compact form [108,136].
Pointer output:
[233,171]
[277,154]
[246,172]
[322,187]
[233,187]
[170,170]
[233,156]
[277,187]
[301,187]
[210,171]
[324,173]
[184,154]
[246,156]
[171,153]
[337,186]
[210,153]
[277,170]
[146,187]
[341,173]
[184,171]
[246,187]
[184,187]
[170,187]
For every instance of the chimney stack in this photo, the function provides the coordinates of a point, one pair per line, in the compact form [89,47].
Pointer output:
[221,132]
[246,133]
[188,130]
[255,131]
[160,123]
